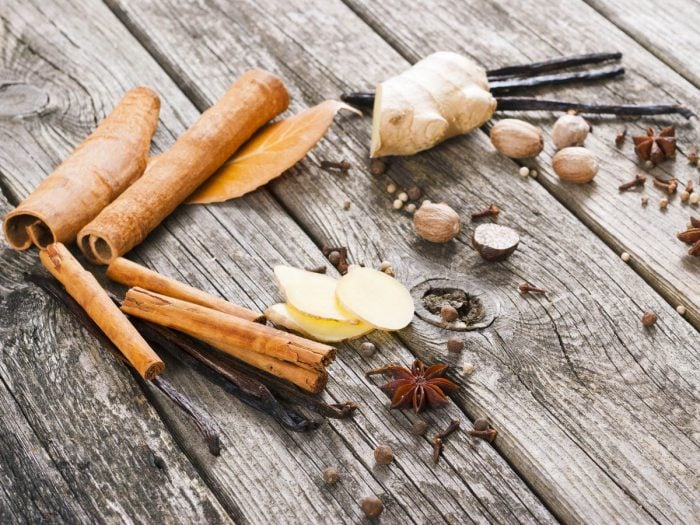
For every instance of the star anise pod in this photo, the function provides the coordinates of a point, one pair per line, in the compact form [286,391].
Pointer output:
[656,148]
[419,386]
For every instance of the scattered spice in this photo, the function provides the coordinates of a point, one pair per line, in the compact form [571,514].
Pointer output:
[694,198]
[625,256]
[645,200]
[533,174]
[343,165]
[436,223]
[338,257]
[410,208]
[419,427]
[377,166]
[527,287]
[639,180]
[620,137]
[397,204]
[383,455]
[439,439]
[331,476]
[524,171]
[468,369]
[372,506]
[693,155]
[495,242]
[656,147]
[346,205]
[455,344]
[419,386]
[391,187]
[403,196]
[680,309]
[649,318]
[663,203]
[414,193]
[669,186]
[448,313]
[367,349]
[491,211]
[685,194]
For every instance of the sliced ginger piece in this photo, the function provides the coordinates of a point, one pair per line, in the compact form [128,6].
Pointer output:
[323,330]
[375,298]
[311,293]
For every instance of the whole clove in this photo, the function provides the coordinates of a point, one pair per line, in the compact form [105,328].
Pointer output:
[669,186]
[438,440]
[491,211]
[685,194]
[525,288]
[639,180]
[620,137]
[342,165]
[693,155]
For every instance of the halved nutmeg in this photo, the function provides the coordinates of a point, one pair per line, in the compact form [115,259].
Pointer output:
[575,164]
[517,139]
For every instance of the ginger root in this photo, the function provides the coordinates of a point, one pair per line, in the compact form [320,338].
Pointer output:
[443,95]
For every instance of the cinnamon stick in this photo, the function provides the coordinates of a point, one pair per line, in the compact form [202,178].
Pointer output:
[110,159]
[284,355]
[84,288]
[256,97]
[129,273]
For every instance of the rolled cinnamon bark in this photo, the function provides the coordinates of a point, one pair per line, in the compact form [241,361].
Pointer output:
[129,273]
[110,159]
[284,355]
[256,97]
[227,330]
[85,289]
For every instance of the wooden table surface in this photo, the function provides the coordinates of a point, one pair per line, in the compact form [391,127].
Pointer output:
[598,418]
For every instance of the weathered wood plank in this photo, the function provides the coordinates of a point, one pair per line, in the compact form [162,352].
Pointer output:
[265,473]
[668,31]
[514,33]
[574,384]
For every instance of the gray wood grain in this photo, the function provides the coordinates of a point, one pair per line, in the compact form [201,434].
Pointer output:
[516,32]
[265,473]
[668,31]
[598,415]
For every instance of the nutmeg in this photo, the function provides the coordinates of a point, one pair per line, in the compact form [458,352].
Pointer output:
[570,130]
[436,222]
[575,164]
[517,139]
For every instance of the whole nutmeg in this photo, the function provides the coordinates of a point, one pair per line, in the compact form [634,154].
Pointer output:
[570,130]
[372,506]
[383,454]
[330,476]
[436,222]
[517,139]
[649,318]
[577,165]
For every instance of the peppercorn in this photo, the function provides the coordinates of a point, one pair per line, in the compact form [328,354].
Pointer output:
[455,344]
[334,257]
[680,309]
[384,265]
[372,506]
[533,174]
[649,318]
[468,368]
[448,313]
[331,476]
[419,427]
[383,455]
[694,198]
[377,166]
[414,193]
[367,349]
[346,205]
[391,188]
[663,203]
[482,424]
[410,208]
[524,171]
[403,196]
[645,200]
[625,256]
[397,204]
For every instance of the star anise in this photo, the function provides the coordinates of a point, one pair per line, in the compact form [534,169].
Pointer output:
[419,386]
[656,148]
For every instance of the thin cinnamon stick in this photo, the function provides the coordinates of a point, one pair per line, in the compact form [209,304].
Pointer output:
[84,288]
[129,273]
[103,166]
[284,355]
[255,98]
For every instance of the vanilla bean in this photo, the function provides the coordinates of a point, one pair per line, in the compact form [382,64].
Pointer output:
[361,99]
[203,424]
[55,290]
[519,84]
[534,104]
[553,64]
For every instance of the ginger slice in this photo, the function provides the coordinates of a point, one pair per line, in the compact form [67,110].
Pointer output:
[323,330]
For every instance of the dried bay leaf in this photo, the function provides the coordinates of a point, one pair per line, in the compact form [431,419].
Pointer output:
[269,153]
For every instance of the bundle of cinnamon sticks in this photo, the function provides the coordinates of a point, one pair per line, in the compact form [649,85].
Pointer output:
[108,196]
